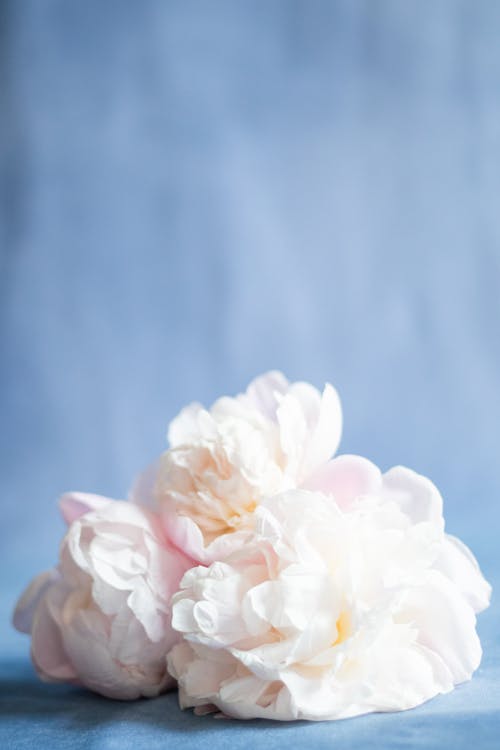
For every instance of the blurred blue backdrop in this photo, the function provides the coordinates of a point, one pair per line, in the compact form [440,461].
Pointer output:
[195,192]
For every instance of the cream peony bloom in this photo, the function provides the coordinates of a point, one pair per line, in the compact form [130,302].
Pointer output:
[347,601]
[102,619]
[224,461]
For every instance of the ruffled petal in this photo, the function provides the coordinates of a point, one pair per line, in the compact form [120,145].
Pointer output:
[446,624]
[47,645]
[142,491]
[185,427]
[186,535]
[75,504]
[325,426]
[310,427]
[346,478]
[30,599]
[328,614]
[458,563]
[415,494]
[264,393]
[103,619]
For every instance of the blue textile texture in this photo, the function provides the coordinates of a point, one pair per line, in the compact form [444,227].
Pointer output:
[196,192]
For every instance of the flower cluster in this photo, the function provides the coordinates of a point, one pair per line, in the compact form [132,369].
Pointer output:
[261,574]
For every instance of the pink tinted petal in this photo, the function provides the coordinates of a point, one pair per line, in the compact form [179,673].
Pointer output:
[47,649]
[96,667]
[185,535]
[346,478]
[29,600]
[74,504]
[87,640]
[142,491]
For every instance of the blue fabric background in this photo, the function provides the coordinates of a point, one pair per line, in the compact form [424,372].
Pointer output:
[195,192]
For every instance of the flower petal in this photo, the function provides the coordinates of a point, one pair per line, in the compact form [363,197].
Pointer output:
[446,624]
[30,599]
[264,392]
[416,495]
[142,491]
[75,504]
[346,478]
[184,428]
[47,647]
[458,563]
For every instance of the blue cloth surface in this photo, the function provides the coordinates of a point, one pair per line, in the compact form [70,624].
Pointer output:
[193,193]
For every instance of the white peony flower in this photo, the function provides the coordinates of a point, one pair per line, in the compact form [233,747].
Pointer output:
[222,462]
[102,618]
[346,601]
